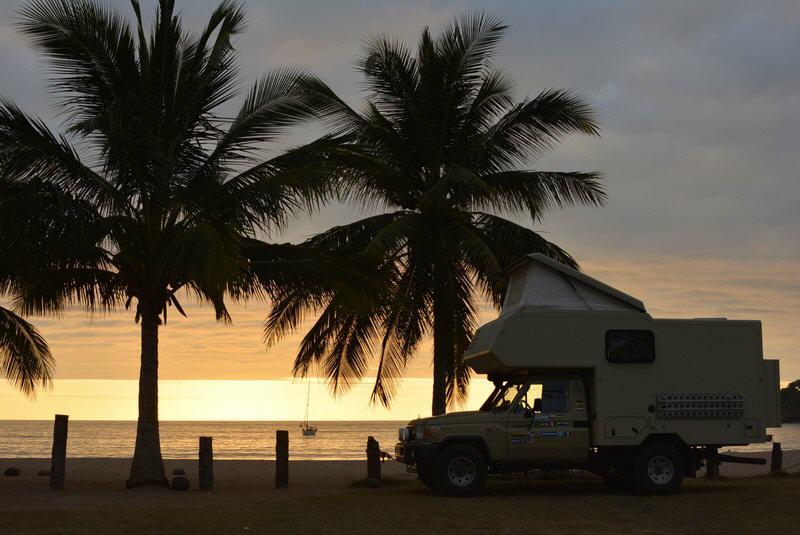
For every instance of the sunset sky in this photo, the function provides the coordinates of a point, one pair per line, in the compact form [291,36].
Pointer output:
[699,107]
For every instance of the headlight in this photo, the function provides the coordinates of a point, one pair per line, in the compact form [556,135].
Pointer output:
[403,434]
[426,431]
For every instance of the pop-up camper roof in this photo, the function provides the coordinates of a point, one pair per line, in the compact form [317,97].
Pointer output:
[539,281]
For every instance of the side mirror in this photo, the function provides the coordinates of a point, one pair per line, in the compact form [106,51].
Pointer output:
[537,405]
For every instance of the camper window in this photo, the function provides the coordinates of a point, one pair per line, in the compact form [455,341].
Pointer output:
[515,286]
[630,346]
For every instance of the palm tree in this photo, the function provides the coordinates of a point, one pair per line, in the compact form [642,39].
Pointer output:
[25,358]
[442,147]
[149,194]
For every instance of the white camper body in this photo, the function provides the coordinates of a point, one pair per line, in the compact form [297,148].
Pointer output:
[702,380]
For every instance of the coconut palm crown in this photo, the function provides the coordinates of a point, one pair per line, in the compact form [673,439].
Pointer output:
[442,148]
[149,193]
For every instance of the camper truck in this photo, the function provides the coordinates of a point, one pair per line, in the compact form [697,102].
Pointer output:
[585,378]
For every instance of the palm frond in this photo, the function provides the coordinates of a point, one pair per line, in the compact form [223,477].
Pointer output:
[275,102]
[535,192]
[25,358]
[531,128]
[30,150]
[405,323]
[90,49]
[356,236]
[391,74]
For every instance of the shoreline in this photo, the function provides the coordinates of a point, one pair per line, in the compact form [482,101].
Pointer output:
[302,471]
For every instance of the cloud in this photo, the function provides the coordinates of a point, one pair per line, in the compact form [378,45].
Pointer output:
[699,104]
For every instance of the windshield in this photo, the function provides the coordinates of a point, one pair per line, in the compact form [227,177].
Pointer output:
[503,396]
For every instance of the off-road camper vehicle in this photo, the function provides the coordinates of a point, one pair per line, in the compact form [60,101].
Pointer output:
[585,378]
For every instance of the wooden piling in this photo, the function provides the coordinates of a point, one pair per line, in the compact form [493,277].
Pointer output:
[206,464]
[58,457]
[373,462]
[712,462]
[281,459]
[776,461]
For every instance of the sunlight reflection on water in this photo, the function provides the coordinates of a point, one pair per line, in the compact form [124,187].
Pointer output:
[179,440]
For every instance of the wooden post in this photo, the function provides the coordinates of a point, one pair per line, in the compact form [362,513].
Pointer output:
[712,462]
[58,458]
[281,459]
[373,462]
[776,463]
[206,464]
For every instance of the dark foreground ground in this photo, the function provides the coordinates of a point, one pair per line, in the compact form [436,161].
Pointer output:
[323,500]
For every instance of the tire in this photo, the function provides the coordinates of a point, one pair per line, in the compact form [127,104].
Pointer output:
[460,470]
[658,469]
[425,474]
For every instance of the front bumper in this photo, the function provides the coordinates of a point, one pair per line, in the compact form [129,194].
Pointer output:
[410,452]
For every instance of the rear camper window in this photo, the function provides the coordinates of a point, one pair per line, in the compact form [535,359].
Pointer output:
[630,346]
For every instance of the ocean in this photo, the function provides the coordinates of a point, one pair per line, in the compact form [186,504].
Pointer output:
[335,440]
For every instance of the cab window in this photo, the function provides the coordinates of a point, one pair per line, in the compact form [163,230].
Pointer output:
[503,397]
[548,397]
[554,397]
[527,400]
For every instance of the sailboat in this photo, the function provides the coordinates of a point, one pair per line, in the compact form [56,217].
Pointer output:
[308,430]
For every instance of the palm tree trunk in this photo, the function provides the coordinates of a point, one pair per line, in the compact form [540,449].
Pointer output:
[442,345]
[148,467]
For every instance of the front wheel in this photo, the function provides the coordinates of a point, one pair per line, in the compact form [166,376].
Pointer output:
[659,469]
[460,470]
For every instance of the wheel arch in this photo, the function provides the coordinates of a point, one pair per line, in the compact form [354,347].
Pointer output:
[473,440]
[674,440]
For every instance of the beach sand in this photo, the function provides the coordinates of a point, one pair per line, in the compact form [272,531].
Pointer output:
[100,481]
[321,498]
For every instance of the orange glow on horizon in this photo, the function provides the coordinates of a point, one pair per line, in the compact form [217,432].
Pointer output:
[209,400]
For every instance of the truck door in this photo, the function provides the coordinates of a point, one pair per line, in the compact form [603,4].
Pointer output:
[548,424]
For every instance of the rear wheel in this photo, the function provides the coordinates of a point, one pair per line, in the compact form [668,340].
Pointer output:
[659,469]
[460,470]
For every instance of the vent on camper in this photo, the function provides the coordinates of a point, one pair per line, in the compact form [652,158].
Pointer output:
[700,405]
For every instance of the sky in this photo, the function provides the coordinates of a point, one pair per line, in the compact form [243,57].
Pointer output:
[699,104]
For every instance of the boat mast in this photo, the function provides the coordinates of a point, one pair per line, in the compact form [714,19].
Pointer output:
[308,400]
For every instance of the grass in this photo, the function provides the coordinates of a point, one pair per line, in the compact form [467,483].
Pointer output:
[752,505]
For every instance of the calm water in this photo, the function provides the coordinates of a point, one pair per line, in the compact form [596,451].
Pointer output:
[232,440]
[235,440]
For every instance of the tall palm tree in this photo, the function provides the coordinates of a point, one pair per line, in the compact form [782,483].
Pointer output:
[149,194]
[442,147]
[25,358]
